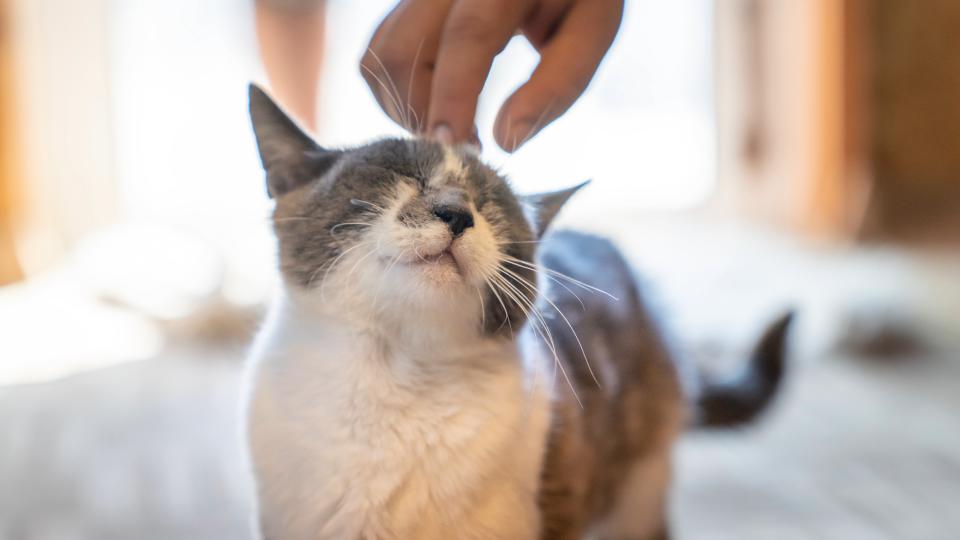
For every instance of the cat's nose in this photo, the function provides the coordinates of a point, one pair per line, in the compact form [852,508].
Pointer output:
[458,218]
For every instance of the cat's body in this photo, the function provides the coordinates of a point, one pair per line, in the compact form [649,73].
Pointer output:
[608,457]
[405,387]
[391,441]
[386,439]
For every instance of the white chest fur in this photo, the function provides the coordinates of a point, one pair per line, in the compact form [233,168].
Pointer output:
[353,438]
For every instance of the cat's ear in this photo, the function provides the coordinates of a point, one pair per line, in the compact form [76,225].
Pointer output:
[290,157]
[543,207]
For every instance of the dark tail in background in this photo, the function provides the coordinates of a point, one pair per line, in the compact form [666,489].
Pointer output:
[741,398]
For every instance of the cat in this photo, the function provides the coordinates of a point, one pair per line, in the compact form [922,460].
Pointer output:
[419,376]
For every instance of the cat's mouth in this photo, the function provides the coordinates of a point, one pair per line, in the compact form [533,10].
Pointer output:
[442,257]
[440,260]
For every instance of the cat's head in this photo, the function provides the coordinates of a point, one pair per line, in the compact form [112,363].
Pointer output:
[400,231]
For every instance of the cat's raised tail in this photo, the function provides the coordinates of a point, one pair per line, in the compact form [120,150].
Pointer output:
[740,399]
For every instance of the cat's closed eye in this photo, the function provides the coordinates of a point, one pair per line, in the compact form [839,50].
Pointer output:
[366,205]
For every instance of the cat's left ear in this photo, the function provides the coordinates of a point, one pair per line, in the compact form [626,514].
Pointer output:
[290,157]
[543,207]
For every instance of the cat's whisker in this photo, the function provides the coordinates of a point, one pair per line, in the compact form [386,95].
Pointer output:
[329,267]
[508,289]
[537,293]
[538,124]
[527,305]
[513,142]
[556,359]
[497,281]
[534,329]
[521,299]
[519,242]
[392,105]
[506,313]
[293,218]
[416,250]
[483,309]
[396,91]
[539,325]
[537,333]
[547,274]
[531,266]
[359,261]
[520,279]
[568,289]
[338,225]
[383,278]
[396,259]
[406,119]
[512,294]
[413,74]
[552,274]
[417,119]
[394,99]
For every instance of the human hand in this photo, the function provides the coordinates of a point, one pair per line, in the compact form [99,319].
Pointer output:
[429,59]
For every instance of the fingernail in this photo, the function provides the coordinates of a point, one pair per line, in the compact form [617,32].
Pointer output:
[442,133]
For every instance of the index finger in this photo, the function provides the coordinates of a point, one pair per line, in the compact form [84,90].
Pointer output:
[568,62]
[475,32]
[399,60]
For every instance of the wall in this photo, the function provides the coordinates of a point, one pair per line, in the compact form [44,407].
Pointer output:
[64,141]
[783,111]
[915,92]
[9,267]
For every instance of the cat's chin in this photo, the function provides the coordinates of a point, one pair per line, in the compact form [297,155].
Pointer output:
[441,270]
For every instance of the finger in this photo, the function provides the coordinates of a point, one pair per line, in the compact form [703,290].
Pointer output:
[544,20]
[475,32]
[398,63]
[567,64]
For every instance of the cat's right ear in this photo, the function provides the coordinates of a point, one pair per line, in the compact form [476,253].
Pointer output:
[543,207]
[290,157]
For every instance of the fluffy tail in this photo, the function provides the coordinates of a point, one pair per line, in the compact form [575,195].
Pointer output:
[741,398]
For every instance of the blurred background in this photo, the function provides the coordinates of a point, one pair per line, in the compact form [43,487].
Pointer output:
[748,155]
